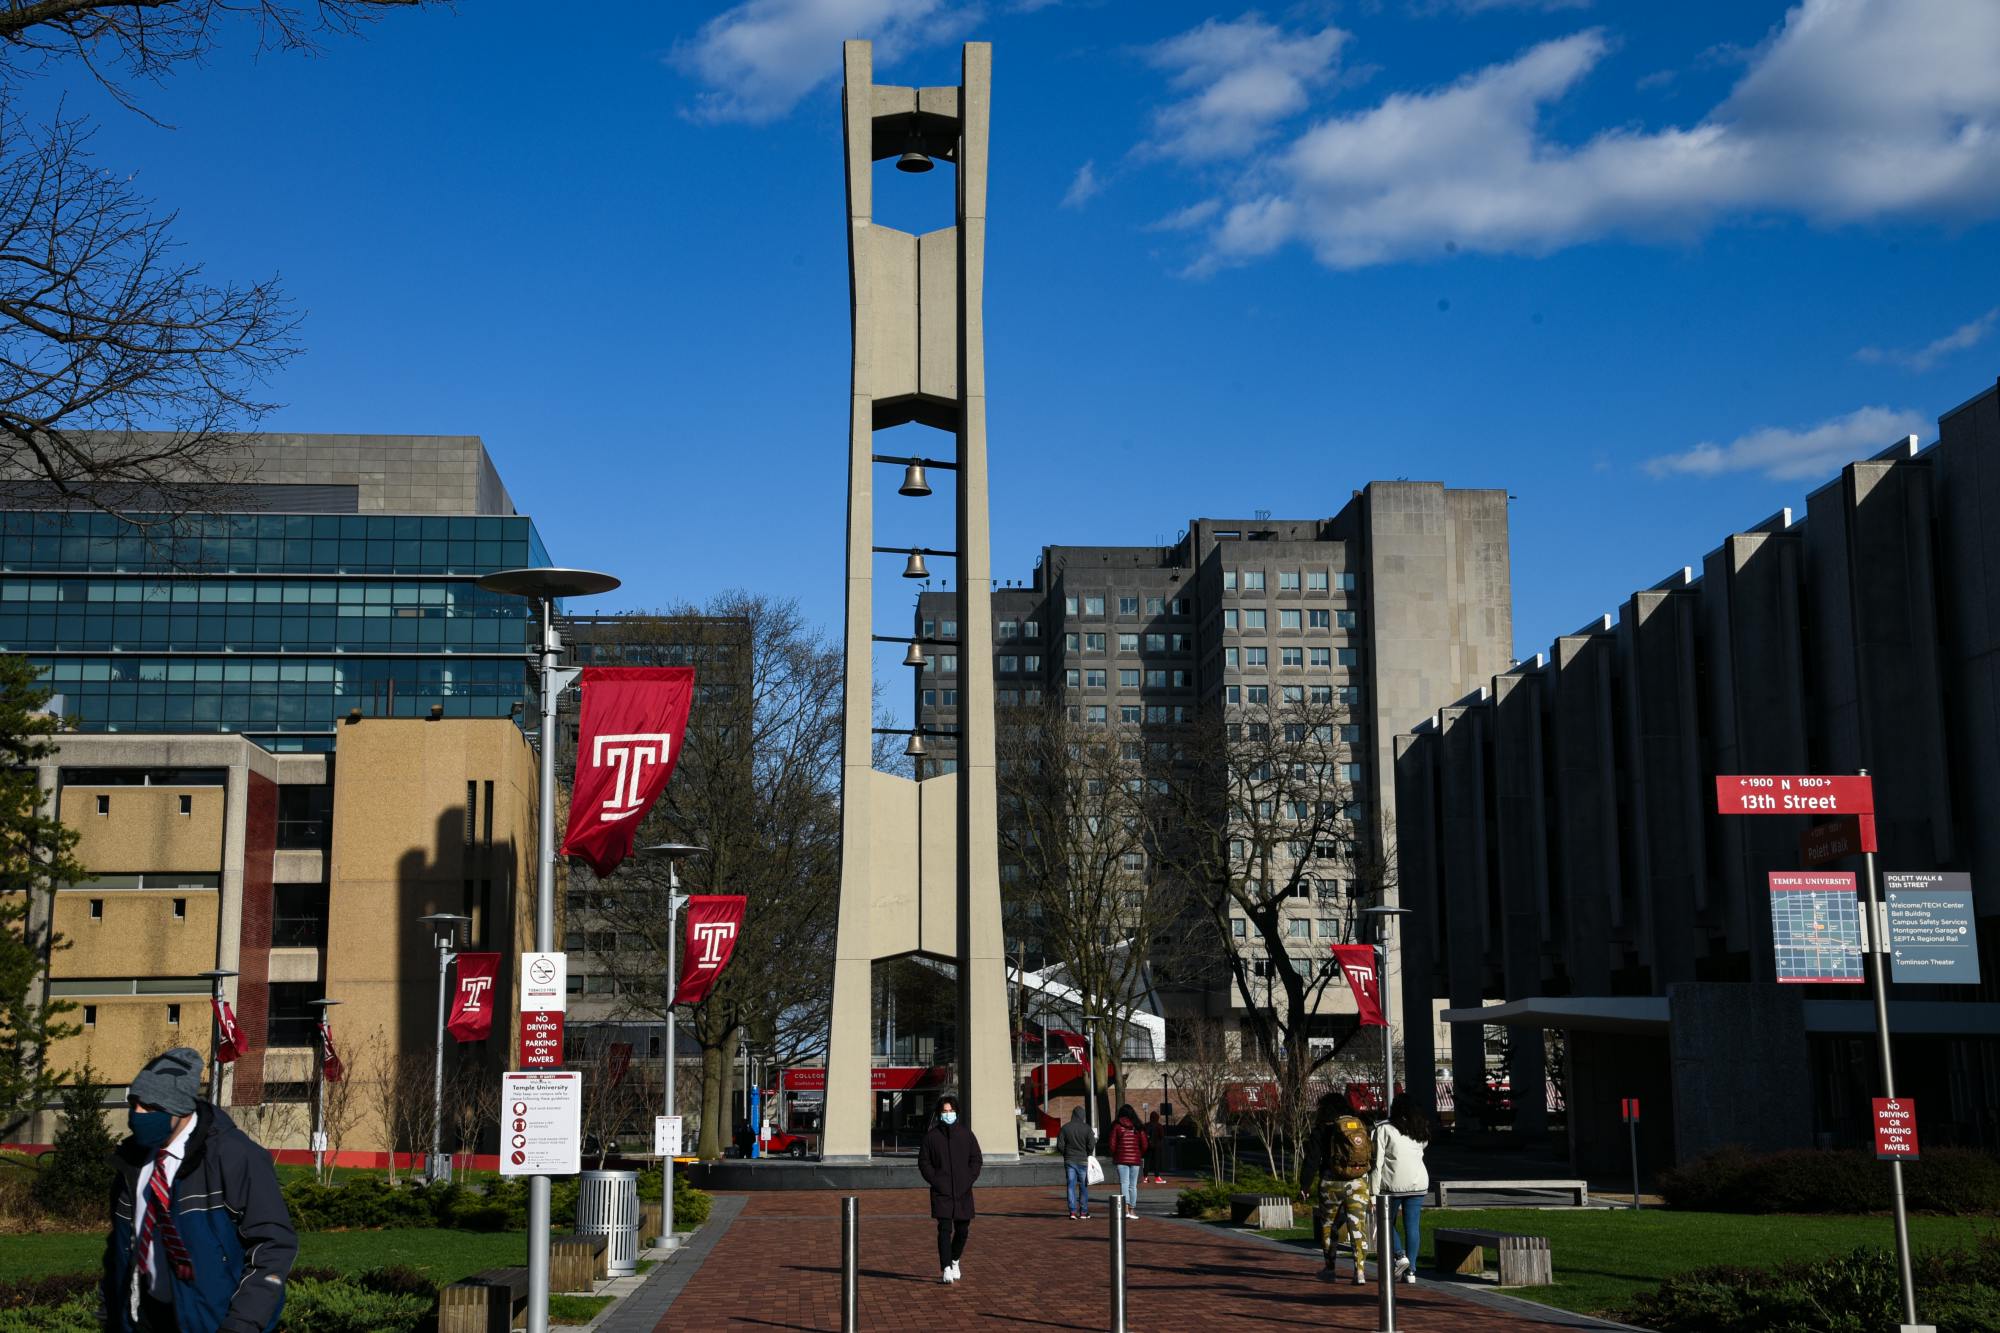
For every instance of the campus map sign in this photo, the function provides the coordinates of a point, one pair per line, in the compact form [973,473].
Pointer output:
[1815,925]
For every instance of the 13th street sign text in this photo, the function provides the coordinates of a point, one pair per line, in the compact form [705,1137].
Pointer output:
[1796,795]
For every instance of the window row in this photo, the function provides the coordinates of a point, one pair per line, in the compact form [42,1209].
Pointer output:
[1149,713]
[1092,604]
[1129,678]
[1129,643]
[1237,658]
[1009,664]
[242,556]
[1257,617]
[1289,580]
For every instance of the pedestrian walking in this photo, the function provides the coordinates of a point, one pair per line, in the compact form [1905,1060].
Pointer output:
[200,1240]
[1339,1158]
[1156,1147]
[1077,1142]
[1128,1150]
[1400,1174]
[949,1161]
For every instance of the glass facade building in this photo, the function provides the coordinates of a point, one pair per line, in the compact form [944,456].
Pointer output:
[272,625]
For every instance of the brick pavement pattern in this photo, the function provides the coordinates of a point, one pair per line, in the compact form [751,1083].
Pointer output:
[778,1267]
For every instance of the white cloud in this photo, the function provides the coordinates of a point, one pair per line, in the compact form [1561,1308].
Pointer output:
[1084,188]
[1187,219]
[758,58]
[1486,6]
[1794,455]
[1239,80]
[1819,126]
[1969,334]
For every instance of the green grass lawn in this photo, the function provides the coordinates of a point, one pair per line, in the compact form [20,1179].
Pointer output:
[1602,1258]
[443,1256]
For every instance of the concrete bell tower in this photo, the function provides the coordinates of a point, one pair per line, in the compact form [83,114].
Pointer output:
[919,860]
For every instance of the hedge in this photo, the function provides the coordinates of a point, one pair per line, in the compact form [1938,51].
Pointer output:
[1952,1181]
[1958,1290]
[317,1300]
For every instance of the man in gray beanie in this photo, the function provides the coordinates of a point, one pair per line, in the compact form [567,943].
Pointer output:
[200,1239]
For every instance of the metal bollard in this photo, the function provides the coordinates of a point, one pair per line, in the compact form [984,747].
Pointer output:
[1385,1270]
[1117,1264]
[850,1264]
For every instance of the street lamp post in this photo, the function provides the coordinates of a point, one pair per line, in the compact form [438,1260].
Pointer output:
[444,935]
[1385,1273]
[543,587]
[319,1089]
[216,976]
[673,852]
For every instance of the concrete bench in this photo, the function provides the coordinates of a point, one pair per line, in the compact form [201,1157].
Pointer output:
[577,1262]
[1523,1261]
[1576,1189]
[490,1302]
[1270,1210]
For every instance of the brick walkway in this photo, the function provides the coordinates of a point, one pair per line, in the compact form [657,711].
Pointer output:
[778,1266]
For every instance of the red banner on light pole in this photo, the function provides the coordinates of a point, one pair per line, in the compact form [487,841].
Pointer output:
[1357,964]
[1628,1110]
[472,1004]
[330,1067]
[229,1044]
[633,723]
[713,922]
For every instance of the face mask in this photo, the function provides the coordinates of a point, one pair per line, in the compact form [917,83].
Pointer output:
[150,1128]
[948,1117]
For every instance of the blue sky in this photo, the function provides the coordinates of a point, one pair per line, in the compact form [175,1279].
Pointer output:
[1655,269]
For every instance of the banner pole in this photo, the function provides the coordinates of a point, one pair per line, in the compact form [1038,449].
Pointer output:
[545,942]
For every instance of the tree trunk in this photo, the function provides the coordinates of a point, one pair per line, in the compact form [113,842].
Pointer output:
[713,1062]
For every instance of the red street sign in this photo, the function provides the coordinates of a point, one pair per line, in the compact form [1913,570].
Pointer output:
[542,1039]
[1628,1110]
[1896,1129]
[1847,836]
[1795,795]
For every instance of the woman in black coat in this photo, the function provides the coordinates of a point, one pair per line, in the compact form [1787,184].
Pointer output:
[949,1160]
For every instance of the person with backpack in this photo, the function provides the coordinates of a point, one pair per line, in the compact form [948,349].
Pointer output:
[1128,1150]
[1339,1158]
[1399,1173]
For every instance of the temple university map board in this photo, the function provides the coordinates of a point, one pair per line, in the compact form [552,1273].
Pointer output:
[1815,926]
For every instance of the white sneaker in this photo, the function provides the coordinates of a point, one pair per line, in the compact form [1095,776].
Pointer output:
[944,1278]
[1402,1265]
[953,1270]
[1411,1277]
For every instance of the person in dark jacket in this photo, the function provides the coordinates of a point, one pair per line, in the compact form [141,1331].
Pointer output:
[200,1239]
[1156,1147]
[1128,1150]
[950,1162]
[1076,1141]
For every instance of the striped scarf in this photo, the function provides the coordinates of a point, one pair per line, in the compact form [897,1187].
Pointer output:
[160,1219]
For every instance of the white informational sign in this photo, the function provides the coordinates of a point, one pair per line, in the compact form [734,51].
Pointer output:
[667,1136]
[544,983]
[319,1141]
[541,1122]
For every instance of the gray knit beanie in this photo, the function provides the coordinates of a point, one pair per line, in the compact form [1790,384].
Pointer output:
[170,1082]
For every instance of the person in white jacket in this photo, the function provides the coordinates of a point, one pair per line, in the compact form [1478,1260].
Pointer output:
[1400,1176]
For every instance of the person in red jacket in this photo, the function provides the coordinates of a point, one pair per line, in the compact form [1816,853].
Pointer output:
[1128,1150]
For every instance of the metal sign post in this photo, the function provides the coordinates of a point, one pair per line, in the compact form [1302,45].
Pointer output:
[1629,1108]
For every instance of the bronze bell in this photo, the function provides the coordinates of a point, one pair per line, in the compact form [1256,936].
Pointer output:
[915,657]
[913,481]
[916,749]
[915,568]
[914,162]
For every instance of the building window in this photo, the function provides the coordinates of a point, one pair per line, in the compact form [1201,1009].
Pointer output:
[1031,696]
[1294,694]
[1299,927]
[1322,657]
[929,629]
[1292,657]
[1257,657]
[103,804]
[1231,618]
[1128,643]
[1259,694]
[1352,772]
[1239,927]
[90,1015]
[1156,643]
[950,661]
[1232,658]
[1094,713]
[1069,606]
[947,629]
[173,1015]
[1232,694]
[1156,606]
[187,805]
[1320,694]
[1183,643]
[1349,582]
[1007,698]
[1315,580]
[1255,618]
[1072,678]
[1318,619]
[180,909]
[1156,679]
[1128,606]
[1156,713]
[1093,606]
[1128,712]
[1351,695]
[1253,580]
[1350,657]
[1031,629]
[1009,629]
[1181,679]
[1093,680]
[1288,619]
[1288,580]
[97,909]
[930,698]
[949,698]
[1093,643]
[1229,580]
[1348,619]
[1072,643]
[1178,606]
[1032,662]
[1009,663]
[1350,732]
[1128,678]
[1132,860]
[471,810]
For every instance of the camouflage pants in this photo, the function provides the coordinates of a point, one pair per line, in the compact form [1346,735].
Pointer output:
[1344,1205]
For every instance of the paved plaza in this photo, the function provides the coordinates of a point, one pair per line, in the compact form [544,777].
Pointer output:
[775,1264]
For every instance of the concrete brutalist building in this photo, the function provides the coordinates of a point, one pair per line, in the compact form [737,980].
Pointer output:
[1393,606]
[1560,842]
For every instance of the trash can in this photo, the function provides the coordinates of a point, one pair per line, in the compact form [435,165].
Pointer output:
[607,1205]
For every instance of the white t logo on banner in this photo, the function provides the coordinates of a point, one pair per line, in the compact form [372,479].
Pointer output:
[630,755]
[710,937]
[474,989]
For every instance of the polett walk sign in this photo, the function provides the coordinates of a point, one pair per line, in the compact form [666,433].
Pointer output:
[1933,934]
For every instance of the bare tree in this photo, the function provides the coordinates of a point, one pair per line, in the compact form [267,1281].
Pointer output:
[126,374]
[1200,1080]
[1077,844]
[1263,824]
[402,1100]
[471,1098]
[342,1102]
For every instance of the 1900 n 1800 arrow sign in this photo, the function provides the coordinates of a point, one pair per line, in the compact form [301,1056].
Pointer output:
[1798,795]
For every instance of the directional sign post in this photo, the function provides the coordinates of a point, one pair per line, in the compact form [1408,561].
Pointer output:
[1933,936]
[1827,795]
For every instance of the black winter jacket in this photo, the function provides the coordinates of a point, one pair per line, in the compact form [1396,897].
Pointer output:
[232,1219]
[949,1160]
